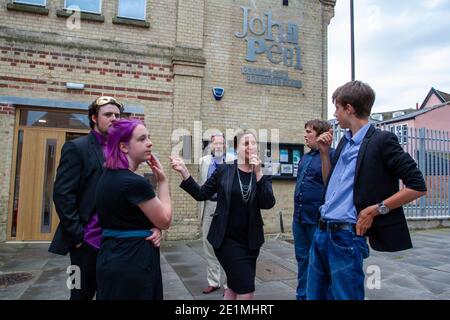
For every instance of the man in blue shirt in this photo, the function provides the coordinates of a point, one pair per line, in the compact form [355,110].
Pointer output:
[308,197]
[362,198]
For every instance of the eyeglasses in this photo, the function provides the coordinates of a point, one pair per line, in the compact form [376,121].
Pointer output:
[101,101]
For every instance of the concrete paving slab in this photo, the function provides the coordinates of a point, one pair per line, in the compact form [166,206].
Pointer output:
[270,270]
[444,267]
[419,273]
[442,277]
[291,283]
[435,287]
[274,290]
[13,292]
[395,292]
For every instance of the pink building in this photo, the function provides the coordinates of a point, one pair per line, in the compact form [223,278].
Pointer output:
[434,98]
[433,114]
[424,134]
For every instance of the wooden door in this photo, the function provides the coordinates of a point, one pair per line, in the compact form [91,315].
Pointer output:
[36,217]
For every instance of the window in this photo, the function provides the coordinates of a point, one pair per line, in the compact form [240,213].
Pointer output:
[49,177]
[92,6]
[401,131]
[49,119]
[285,2]
[132,9]
[32,2]
[17,184]
[404,134]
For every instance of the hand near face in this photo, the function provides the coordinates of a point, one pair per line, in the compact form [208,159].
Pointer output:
[157,169]
[178,165]
[255,162]
[324,141]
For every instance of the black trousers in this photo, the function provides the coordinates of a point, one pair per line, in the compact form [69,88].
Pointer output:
[85,258]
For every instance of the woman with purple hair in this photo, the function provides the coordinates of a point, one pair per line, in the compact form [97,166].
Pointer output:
[128,265]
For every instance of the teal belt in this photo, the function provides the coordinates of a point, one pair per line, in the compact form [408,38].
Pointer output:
[110,233]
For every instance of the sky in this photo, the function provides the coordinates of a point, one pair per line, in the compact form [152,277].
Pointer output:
[402,49]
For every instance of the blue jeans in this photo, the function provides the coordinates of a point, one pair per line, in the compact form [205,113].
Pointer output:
[303,237]
[336,266]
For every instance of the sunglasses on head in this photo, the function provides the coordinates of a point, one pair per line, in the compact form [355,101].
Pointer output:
[101,101]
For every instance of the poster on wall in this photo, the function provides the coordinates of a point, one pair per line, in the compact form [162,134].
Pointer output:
[275,168]
[284,155]
[268,168]
[295,157]
[286,169]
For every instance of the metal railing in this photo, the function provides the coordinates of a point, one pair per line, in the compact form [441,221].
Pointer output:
[431,151]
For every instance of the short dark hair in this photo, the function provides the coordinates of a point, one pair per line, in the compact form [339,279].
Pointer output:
[358,94]
[319,126]
[95,106]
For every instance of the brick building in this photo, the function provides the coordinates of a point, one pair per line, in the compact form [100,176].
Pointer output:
[162,58]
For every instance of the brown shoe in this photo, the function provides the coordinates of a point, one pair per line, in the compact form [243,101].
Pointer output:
[210,289]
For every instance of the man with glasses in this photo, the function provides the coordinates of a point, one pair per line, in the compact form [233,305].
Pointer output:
[79,170]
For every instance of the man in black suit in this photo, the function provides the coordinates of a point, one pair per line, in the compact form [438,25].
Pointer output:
[362,197]
[79,170]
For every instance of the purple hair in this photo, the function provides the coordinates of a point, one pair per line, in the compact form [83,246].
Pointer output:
[119,131]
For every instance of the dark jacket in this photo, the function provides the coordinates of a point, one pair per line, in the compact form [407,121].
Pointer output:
[380,164]
[310,192]
[221,182]
[79,170]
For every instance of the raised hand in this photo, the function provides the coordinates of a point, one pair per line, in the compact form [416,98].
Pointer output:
[255,162]
[157,169]
[324,141]
[178,165]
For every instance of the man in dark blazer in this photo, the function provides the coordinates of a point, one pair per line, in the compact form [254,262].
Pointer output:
[362,197]
[79,170]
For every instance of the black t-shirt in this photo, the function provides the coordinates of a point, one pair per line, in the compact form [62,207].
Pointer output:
[237,225]
[117,197]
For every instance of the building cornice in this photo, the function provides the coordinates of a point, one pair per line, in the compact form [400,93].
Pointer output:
[331,3]
[27,37]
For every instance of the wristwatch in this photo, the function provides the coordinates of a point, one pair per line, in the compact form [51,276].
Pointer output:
[381,208]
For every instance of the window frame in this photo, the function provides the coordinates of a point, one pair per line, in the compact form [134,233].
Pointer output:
[404,133]
[93,12]
[25,2]
[401,131]
[132,18]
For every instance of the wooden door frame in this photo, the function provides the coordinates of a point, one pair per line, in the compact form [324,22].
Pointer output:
[12,175]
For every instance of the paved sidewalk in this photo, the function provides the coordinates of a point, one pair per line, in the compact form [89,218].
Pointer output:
[420,273]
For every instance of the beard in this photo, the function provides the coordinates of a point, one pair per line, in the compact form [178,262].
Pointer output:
[217,154]
[103,131]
